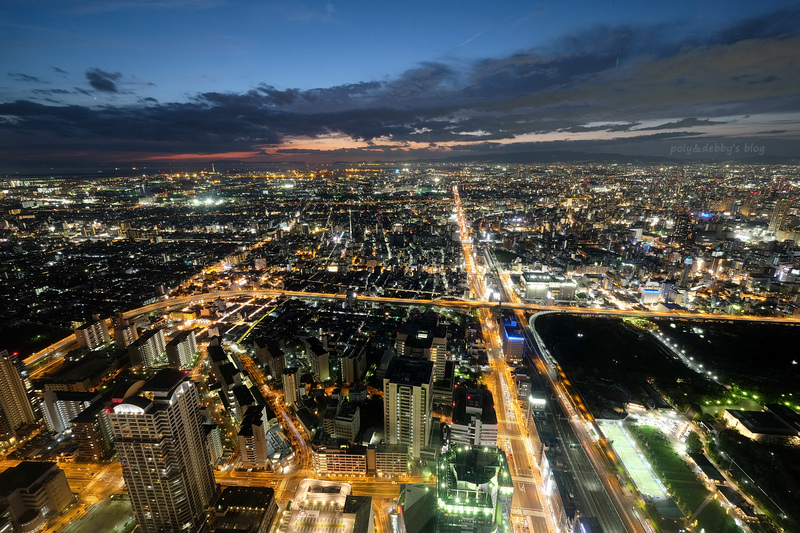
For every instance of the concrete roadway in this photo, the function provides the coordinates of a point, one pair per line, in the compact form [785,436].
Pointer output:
[69,342]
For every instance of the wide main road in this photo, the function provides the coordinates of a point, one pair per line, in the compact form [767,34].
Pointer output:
[174,303]
[447,302]
[530,509]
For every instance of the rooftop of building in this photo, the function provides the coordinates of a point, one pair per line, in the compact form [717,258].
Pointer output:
[347,410]
[146,336]
[786,414]
[217,354]
[418,503]
[477,467]
[762,422]
[25,476]
[470,400]
[361,507]
[165,380]
[252,417]
[315,345]
[407,371]
[270,343]
[75,396]
[90,324]
[180,337]
[254,497]
[707,467]
[243,395]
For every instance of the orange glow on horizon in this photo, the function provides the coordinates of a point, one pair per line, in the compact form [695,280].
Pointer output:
[196,157]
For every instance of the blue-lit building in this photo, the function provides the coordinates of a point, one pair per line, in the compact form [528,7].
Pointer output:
[513,338]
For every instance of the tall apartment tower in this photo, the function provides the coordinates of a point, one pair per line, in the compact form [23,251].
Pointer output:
[682,232]
[291,384]
[165,461]
[92,334]
[148,350]
[15,406]
[318,357]
[181,349]
[125,335]
[778,216]
[407,403]
[253,438]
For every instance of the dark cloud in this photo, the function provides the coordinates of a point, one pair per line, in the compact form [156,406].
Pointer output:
[103,81]
[60,71]
[780,24]
[19,76]
[50,91]
[685,123]
[603,127]
[604,81]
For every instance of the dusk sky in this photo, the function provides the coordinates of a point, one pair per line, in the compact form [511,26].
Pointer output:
[94,83]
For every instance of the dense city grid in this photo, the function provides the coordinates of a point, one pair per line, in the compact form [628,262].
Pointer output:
[402,347]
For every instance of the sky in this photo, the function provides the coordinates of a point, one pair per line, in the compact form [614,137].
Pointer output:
[98,83]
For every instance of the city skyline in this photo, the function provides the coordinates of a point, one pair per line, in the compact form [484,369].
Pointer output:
[416,267]
[576,325]
[150,84]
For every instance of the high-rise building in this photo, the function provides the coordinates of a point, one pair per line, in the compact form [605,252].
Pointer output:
[181,349]
[92,433]
[682,231]
[348,422]
[474,418]
[513,339]
[407,403]
[354,363]
[253,438]
[291,385]
[165,460]
[415,341]
[15,406]
[124,335]
[268,351]
[474,490]
[148,349]
[60,407]
[778,217]
[318,357]
[683,282]
[92,334]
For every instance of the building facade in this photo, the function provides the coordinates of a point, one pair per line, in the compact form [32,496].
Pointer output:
[148,350]
[165,461]
[34,492]
[408,402]
[253,438]
[92,334]
[15,406]
[182,349]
